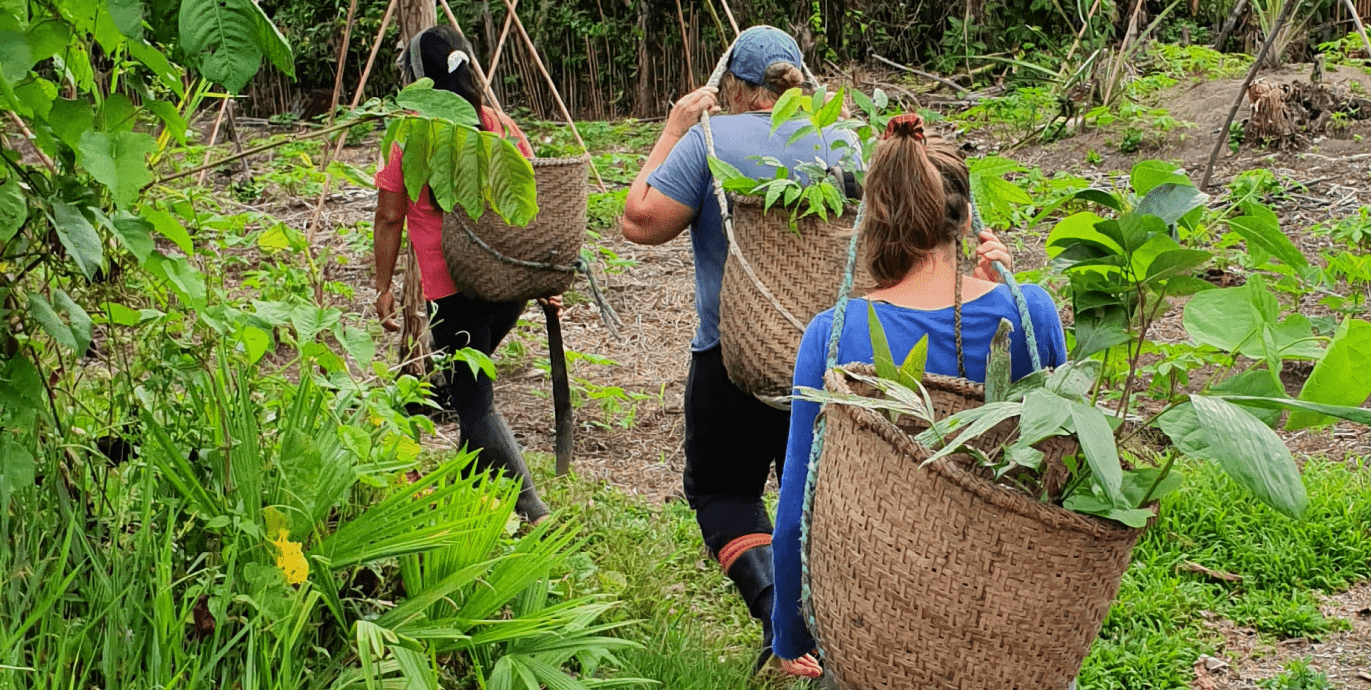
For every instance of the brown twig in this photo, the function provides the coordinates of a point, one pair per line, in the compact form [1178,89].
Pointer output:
[685,43]
[1242,90]
[920,73]
[729,13]
[259,149]
[342,61]
[1080,35]
[28,136]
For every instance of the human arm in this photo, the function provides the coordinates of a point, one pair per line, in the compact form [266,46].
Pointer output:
[792,639]
[650,215]
[387,230]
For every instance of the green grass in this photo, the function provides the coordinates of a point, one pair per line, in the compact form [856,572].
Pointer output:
[698,635]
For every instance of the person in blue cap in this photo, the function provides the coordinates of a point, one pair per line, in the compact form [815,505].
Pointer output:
[732,439]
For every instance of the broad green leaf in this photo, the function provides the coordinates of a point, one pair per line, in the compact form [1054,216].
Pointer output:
[723,171]
[255,342]
[801,132]
[77,319]
[1249,452]
[116,114]
[470,164]
[915,363]
[1136,230]
[52,323]
[78,237]
[1079,228]
[864,102]
[785,108]
[128,17]
[1261,227]
[979,420]
[414,162]
[1171,201]
[226,39]
[1137,483]
[46,38]
[830,112]
[70,119]
[170,116]
[1342,377]
[310,320]
[185,280]
[135,234]
[1148,175]
[1098,330]
[118,160]
[429,102]
[36,98]
[13,209]
[169,227]
[21,391]
[1044,413]
[358,344]
[511,189]
[1101,197]
[1097,444]
[1089,504]
[15,55]
[120,315]
[1254,383]
[1176,262]
[880,347]
[16,467]
[154,60]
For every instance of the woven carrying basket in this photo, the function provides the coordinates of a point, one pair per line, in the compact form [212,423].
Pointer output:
[934,577]
[553,237]
[804,274]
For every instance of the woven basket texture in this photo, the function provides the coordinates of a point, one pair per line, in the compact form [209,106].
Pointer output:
[803,272]
[554,236]
[934,577]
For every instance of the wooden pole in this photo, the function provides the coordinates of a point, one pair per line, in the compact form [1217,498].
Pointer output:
[723,35]
[414,349]
[1361,28]
[475,64]
[561,391]
[356,98]
[1229,24]
[342,60]
[504,34]
[731,21]
[213,137]
[537,60]
[1242,91]
[1080,35]
[685,45]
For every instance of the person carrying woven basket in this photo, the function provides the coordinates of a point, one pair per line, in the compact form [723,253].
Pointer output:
[917,196]
[456,321]
[731,439]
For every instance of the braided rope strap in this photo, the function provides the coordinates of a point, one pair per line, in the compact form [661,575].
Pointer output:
[715,78]
[607,314]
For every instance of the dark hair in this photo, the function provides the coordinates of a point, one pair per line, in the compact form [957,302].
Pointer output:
[435,45]
[779,78]
[918,198]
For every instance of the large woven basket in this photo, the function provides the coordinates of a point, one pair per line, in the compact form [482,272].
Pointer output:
[803,274]
[553,237]
[935,577]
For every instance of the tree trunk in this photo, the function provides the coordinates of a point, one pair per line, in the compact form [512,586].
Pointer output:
[414,17]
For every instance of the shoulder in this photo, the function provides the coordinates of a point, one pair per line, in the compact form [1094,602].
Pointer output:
[1037,297]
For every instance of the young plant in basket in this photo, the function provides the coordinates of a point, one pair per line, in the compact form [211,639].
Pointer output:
[463,165]
[1124,272]
[812,189]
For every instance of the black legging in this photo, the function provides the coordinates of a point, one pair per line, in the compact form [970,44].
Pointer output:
[457,322]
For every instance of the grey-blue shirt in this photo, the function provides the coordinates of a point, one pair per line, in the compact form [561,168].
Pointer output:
[685,177]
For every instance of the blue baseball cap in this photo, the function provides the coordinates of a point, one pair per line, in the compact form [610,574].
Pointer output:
[759,48]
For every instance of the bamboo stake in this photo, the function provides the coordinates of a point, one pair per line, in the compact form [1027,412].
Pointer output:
[356,98]
[342,59]
[504,34]
[685,45]
[731,21]
[1361,28]
[1080,35]
[1242,91]
[475,64]
[709,5]
[537,60]
[213,136]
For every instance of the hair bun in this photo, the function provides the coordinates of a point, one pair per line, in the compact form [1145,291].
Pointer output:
[909,125]
[783,76]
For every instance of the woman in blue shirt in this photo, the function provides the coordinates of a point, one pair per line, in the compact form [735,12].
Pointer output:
[917,211]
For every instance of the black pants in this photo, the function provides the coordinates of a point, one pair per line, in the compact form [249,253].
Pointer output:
[732,440]
[457,322]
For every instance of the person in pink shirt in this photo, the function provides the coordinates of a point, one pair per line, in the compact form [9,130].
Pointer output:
[456,320]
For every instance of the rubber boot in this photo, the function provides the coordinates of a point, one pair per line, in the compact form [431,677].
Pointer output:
[491,433]
[751,573]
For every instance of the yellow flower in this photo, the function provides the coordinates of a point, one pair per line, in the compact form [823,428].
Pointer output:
[291,560]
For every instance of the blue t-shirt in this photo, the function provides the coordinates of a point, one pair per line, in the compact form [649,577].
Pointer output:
[903,327]
[685,177]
